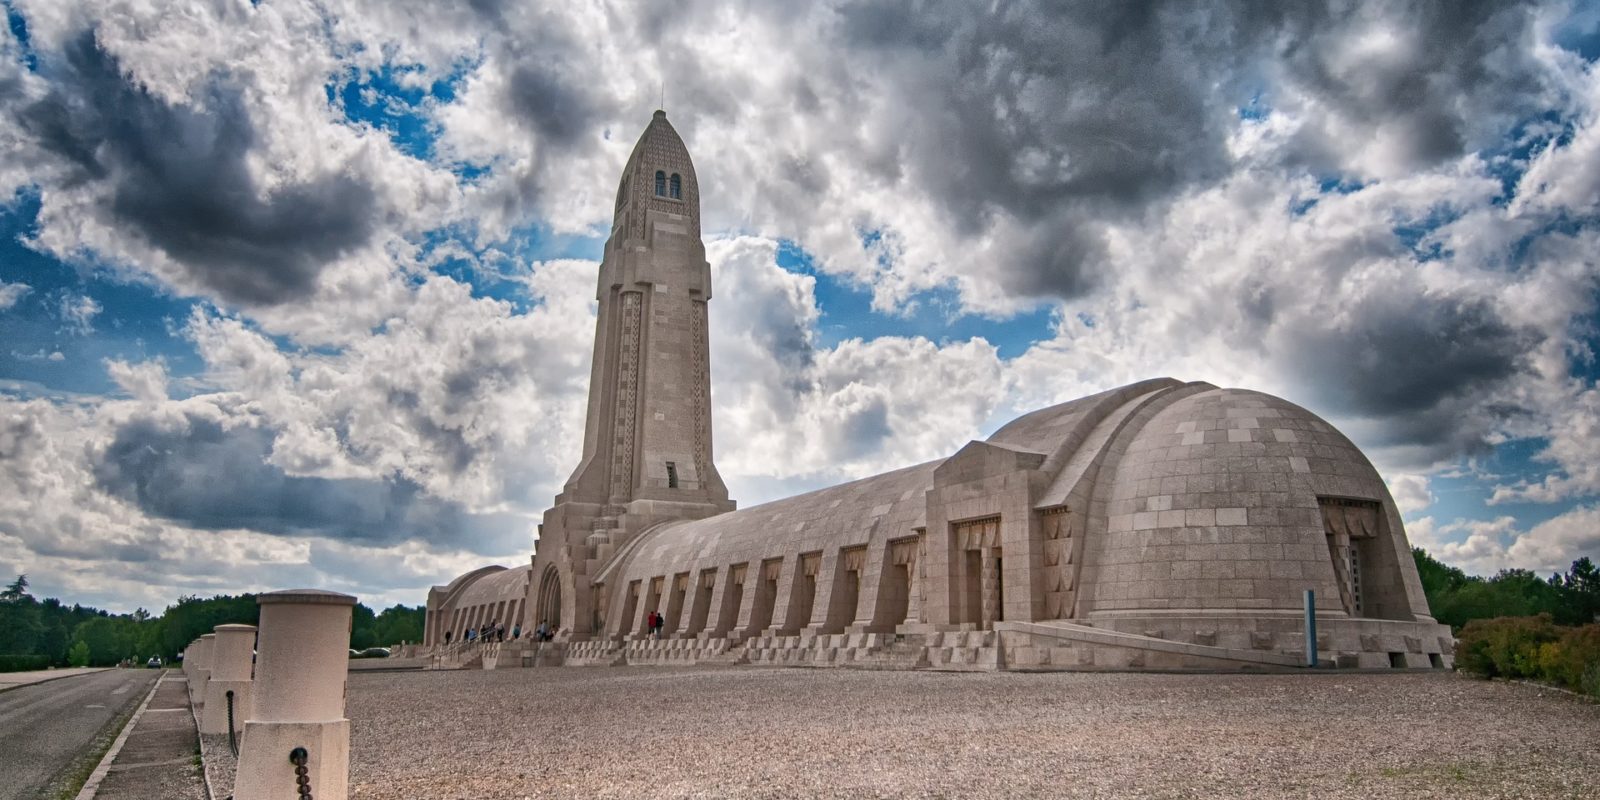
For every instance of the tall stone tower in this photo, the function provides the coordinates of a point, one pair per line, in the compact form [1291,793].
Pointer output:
[647,439]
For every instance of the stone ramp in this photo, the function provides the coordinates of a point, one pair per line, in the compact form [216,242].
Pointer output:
[160,757]
[1061,645]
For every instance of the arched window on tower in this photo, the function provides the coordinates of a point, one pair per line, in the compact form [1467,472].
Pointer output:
[677,187]
[661,183]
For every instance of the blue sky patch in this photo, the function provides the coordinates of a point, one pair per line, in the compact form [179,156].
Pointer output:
[847,313]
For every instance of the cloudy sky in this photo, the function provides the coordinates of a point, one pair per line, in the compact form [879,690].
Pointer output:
[301,293]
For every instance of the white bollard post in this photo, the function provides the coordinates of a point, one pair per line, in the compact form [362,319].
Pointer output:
[302,661]
[231,662]
[202,667]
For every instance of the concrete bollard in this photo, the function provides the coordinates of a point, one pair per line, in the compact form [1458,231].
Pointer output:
[231,665]
[302,661]
[202,667]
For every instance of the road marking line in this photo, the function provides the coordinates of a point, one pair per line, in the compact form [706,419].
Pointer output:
[91,787]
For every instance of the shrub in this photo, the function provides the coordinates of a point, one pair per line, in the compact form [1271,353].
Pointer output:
[1575,660]
[1504,647]
[78,656]
[1534,648]
[23,663]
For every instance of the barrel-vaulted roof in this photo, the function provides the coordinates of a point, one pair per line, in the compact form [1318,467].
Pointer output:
[890,506]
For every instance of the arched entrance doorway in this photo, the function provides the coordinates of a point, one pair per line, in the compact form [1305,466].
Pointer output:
[550,599]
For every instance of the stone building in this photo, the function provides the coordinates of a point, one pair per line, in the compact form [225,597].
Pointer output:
[1158,525]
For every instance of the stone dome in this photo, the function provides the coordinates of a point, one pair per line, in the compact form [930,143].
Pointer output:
[1227,500]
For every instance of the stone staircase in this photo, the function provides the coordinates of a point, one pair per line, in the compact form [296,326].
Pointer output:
[957,651]
[856,650]
[597,653]
[679,652]
[965,651]
[458,655]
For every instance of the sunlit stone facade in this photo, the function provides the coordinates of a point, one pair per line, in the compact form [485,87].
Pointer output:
[1160,525]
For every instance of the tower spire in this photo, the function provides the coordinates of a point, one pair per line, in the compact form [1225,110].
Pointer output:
[647,438]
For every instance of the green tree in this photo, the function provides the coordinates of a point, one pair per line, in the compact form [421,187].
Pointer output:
[1580,593]
[1437,576]
[1457,598]
[16,590]
[397,624]
[78,656]
[21,627]
[110,639]
[191,617]
[363,627]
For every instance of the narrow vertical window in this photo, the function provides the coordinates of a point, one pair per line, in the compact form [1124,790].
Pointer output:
[661,183]
[672,475]
[677,187]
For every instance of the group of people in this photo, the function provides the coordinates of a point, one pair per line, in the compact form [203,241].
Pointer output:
[655,624]
[492,632]
[495,632]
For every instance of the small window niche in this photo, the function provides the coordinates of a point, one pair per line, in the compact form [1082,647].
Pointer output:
[661,183]
[672,475]
[1354,528]
[677,187]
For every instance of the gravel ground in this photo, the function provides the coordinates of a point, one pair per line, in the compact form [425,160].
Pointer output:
[219,762]
[741,732]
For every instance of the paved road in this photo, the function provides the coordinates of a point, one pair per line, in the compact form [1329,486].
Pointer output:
[43,727]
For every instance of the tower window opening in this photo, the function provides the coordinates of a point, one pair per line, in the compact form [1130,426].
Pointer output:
[677,187]
[661,183]
[672,475]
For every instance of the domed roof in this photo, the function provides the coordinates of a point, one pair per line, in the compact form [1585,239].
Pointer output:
[1216,503]
[505,584]
[882,506]
[1191,500]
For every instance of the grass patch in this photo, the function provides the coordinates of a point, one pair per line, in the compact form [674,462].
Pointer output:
[1453,778]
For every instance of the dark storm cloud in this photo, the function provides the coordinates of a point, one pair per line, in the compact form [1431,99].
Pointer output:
[864,431]
[556,106]
[1452,67]
[1423,366]
[178,175]
[1052,118]
[1060,117]
[201,473]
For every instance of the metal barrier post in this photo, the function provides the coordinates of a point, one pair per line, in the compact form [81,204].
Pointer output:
[231,657]
[302,662]
[1311,628]
[201,653]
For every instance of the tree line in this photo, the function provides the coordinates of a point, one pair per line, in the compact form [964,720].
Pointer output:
[1457,598]
[36,633]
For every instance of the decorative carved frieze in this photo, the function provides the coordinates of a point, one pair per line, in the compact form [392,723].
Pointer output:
[627,397]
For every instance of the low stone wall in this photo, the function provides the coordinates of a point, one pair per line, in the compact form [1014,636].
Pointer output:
[1202,643]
